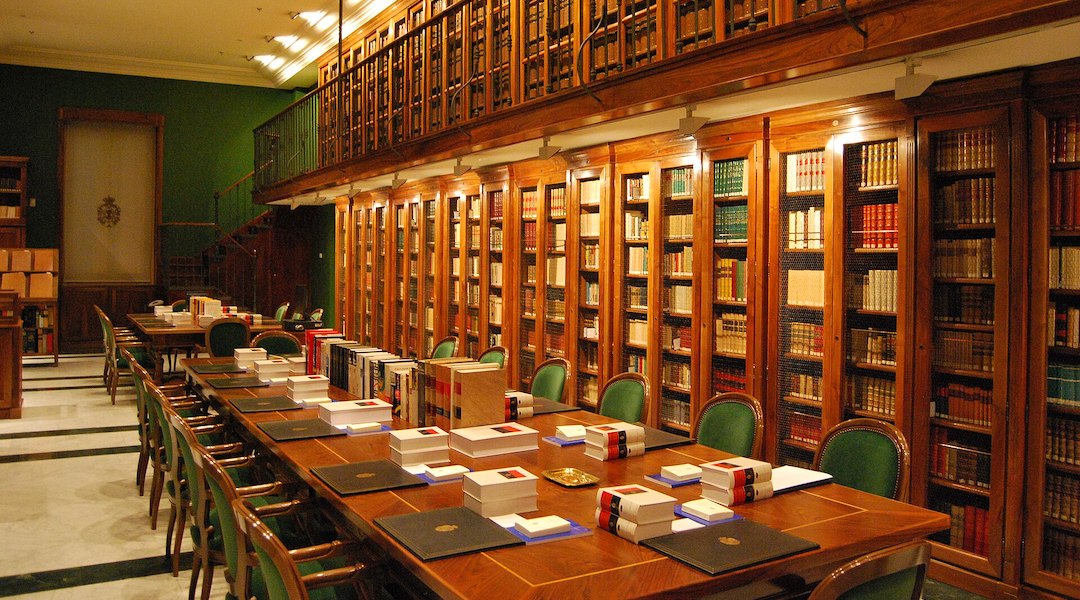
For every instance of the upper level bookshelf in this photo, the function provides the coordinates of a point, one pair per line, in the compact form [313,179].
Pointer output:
[13,200]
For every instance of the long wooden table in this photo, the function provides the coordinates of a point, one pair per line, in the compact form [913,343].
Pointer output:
[161,339]
[846,523]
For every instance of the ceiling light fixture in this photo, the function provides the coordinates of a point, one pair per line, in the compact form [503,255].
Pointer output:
[689,125]
[268,60]
[292,43]
[397,181]
[460,169]
[912,84]
[547,151]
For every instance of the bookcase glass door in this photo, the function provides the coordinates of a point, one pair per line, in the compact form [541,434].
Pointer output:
[554,284]
[472,276]
[962,374]
[527,272]
[428,250]
[677,327]
[378,285]
[495,264]
[800,245]
[590,198]
[362,280]
[632,269]
[455,206]
[1053,530]
[414,306]
[400,307]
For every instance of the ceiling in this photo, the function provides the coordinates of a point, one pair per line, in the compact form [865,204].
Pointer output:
[219,41]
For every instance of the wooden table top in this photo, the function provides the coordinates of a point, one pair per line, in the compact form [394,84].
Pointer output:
[846,523]
[144,322]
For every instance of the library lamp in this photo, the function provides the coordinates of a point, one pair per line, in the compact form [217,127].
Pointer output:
[689,125]
[460,169]
[547,151]
[912,85]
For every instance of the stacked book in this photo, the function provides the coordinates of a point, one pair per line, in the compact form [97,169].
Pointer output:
[421,446]
[308,390]
[491,440]
[614,440]
[519,405]
[500,491]
[634,512]
[356,416]
[273,369]
[245,357]
[737,480]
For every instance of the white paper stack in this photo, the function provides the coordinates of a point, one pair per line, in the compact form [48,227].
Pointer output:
[340,414]
[204,321]
[245,357]
[162,310]
[500,491]
[297,365]
[272,369]
[707,510]
[634,512]
[737,480]
[419,446]
[614,440]
[308,390]
[490,440]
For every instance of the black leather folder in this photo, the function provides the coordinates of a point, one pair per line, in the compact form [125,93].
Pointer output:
[264,404]
[367,476]
[446,532]
[301,429]
[729,546]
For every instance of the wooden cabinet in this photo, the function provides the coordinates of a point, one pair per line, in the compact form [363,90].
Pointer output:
[589,264]
[13,201]
[33,274]
[11,350]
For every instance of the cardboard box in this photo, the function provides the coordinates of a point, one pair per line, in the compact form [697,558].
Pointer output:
[21,260]
[5,259]
[45,259]
[14,282]
[42,285]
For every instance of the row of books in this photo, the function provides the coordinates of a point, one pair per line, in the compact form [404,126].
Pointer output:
[676,374]
[590,293]
[637,187]
[636,363]
[730,178]
[529,204]
[871,346]
[1064,137]
[1064,271]
[676,337]
[637,296]
[37,341]
[878,164]
[971,304]
[495,273]
[590,256]
[875,226]
[637,332]
[806,339]
[730,334]
[590,191]
[731,279]
[962,403]
[557,237]
[495,309]
[10,211]
[1062,498]
[803,427]
[679,299]
[556,201]
[637,226]
[730,223]
[472,293]
[1063,384]
[588,388]
[473,240]
[958,462]
[1064,209]
[9,184]
[637,260]
[964,350]
[964,149]
[805,386]
[1061,436]
[472,266]
[968,258]
[675,410]
[964,202]
[679,227]
[495,204]
[968,525]
[589,224]
[556,271]
[806,287]
[556,308]
[680,262]
[528,236]
[1061,553]
[728,379]
[1063,324]
[872,394]
[875,290]
[677,182]
[495,239]
[40,317]
[805,171]
[805,229]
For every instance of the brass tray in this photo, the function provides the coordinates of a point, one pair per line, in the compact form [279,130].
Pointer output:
[570,477]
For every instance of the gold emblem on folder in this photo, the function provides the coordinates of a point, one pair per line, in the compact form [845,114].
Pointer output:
[728,541]
[446,528]
[365,475]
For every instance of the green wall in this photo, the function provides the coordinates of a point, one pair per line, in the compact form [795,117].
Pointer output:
[321,282]
[208,139]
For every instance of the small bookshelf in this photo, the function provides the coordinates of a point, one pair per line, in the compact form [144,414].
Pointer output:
[635,271]
[591,200]
[530,284]
[677,324]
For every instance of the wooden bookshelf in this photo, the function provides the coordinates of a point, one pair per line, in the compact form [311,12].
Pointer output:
[400,281]
[428,264]
[13,201]
[493,274]
[530,305]
[589,265]
[474,243]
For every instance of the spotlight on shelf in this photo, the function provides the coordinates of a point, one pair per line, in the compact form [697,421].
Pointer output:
[912,85]
[460,169]
[353,191]
[547,151]
[689,125]
[397,181]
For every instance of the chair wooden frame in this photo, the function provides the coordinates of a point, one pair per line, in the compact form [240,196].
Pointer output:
[449,338]
[112,341]
[276,333]
[874,566]
[222,321]
[494,349]
[741,398]
[884,428]
[554,361]
[639,377]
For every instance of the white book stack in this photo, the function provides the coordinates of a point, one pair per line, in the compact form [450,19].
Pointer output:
[340,414]
[419,446]
[272,369]
[634,512]
[297,365]
[245,357]
[308,390]
[735,481]
[614,440]
[491,440]
[500,491]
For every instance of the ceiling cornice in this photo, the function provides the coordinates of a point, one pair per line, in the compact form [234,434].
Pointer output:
[139,67]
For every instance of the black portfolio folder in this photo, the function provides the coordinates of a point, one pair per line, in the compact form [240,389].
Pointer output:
[224,383]
[729,546]
[265,404]
[543,405]
[656,439]
[301,429]
[367,476]
[224,368]
[446,532]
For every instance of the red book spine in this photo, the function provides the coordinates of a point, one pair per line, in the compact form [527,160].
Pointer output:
[1055,199]
[1068,200]
[969,528]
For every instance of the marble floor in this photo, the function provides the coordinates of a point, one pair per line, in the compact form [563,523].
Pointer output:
[72,524]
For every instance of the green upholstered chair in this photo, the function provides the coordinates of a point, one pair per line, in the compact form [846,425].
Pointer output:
[895,573]
[731,422]
[282,311]
[180,305]
[494,354]
[866,454]
[278,343]
[227,334]
[446,347]
[115,364]
[324,571]
[316,315]
[623,397]
[549,379]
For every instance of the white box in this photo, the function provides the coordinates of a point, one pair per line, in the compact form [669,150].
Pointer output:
[355,411]
[707,510]
[304,383]
[206,320]
[360,427]
[271,368]
[311,402]
[541,526]
[431,456]
[499,484]
[490,440]
[500,507]
[683,472]
[446,473]
[420,438]
[570,433]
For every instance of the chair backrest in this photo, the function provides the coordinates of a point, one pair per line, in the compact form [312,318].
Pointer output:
[107,334]
[446,347]
[866,454]
[223,492]
[139,379]
[731,422]
[494,354]
[623,397]
[280,343]
[282,311]
[549,379]
[895,573]
[316,315]
[186,444]
[180,305]
[227,334]
[280,574]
